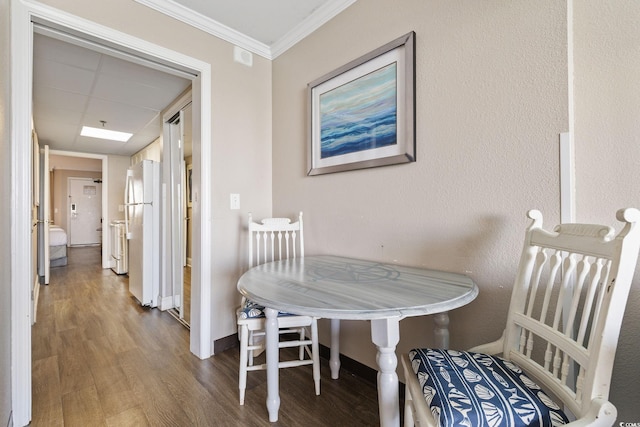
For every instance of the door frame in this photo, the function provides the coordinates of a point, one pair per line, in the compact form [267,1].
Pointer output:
[68,219]
[22,14]
[174,211]
[106,243]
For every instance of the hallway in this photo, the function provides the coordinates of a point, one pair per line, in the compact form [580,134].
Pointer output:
[99,359]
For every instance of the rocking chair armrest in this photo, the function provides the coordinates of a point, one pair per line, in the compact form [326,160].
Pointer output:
[491,348]
[601,413]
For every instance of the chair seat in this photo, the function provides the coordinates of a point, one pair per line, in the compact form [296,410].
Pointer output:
[253,310]
[481,390]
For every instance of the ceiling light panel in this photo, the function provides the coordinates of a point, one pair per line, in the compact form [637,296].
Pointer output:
[111,135]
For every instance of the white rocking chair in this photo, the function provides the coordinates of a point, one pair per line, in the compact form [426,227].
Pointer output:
[272,240]
[561,335]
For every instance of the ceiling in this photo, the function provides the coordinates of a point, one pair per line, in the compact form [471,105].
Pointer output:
[75,85]
[264,21]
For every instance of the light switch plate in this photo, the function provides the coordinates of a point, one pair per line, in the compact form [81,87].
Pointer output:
[234,201]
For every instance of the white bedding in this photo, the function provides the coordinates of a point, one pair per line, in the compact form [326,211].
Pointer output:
[57,236]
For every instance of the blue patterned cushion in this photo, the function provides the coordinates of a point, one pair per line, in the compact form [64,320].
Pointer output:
[481,390]
[252,310]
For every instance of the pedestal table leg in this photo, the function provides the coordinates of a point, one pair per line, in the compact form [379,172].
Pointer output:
[441,333]
[334,360]
[273,393]
[385,334]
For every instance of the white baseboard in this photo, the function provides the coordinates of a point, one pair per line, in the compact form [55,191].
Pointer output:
[168,302]
[34,297]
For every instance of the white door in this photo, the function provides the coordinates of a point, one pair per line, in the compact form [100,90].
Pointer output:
[44,214]
[84,211]
[35,206]
[177,202]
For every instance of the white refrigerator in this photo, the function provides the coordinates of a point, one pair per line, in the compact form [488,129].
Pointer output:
[142,227]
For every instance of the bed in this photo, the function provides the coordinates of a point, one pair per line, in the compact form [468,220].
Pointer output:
[57,246]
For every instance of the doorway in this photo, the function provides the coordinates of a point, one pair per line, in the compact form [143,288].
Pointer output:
[67,164]
[23,15]
[179,154]
[84,211]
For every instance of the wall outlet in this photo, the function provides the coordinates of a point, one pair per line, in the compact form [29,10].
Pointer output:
[234,200]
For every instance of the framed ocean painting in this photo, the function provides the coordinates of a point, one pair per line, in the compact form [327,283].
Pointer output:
[362,115]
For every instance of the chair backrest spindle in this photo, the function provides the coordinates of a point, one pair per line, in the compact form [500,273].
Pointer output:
[583,274]
[275,239]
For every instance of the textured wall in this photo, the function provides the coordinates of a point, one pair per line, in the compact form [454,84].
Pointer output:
[607,140]
[491,97]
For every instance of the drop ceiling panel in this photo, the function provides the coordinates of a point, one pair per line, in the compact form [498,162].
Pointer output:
[56,132]
[120,117]
[62,76]
[74,86]
[150,132]
[131,92]
[55,99]
[95,145]
[72,122]
[47,48]
[140,74]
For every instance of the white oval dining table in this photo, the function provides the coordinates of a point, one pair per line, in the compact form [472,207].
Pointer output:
[336,287]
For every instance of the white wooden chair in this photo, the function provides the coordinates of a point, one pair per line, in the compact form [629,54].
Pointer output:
[272,240]
[561,335]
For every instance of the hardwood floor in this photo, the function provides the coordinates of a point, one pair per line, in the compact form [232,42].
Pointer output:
[99,359]
[186,292]
[185,316]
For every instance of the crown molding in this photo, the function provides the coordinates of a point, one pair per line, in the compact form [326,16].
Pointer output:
[314,21]
[319,17]
[208,25]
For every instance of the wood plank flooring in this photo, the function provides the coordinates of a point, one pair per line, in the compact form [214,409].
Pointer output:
[99,359]
[186,292]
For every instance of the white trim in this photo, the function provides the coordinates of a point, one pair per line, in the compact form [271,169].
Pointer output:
[322,15]
[177,106]
[21,78]
[34,297]
[570,68]
[21,147]
[567,179]
[59,17]
[208,25]
[567,143]
[106,220]
[201,341]
[166,303]
[43,28]
[172,267]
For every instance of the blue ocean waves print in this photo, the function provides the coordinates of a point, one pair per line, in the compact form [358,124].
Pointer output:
[360,115]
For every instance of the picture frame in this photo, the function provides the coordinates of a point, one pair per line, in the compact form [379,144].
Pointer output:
[189,184]
[362,115]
